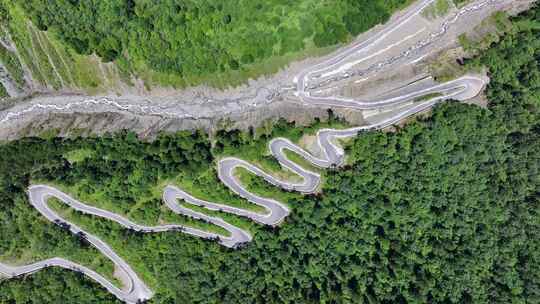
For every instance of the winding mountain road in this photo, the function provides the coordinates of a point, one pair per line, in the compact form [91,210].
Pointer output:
[330,155]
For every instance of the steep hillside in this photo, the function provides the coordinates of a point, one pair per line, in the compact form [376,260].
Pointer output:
[444,210]
[111,46]
[34,61]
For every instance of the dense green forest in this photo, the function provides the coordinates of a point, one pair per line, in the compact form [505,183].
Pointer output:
[444,210]
[193,40]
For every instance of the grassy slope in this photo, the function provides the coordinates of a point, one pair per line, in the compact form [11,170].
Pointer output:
[56,66]
[52,64]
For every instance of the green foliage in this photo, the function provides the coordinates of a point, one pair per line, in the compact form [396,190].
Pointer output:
[54,286]
[427,97]
[488,32]
[189,41]
[3,92]
[438,9]
[444,210]
[460,3]
[15,24]
[12,64]
[48,61]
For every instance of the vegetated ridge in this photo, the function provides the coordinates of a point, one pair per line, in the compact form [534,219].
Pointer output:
[105,46]
[463,228]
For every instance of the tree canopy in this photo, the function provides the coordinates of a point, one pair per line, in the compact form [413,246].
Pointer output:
[444,210]
[198,38]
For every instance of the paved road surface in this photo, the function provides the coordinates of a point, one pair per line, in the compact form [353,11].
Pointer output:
[275,212]
[136,290]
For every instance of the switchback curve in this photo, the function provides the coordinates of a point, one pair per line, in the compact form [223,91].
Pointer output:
[329,155]
[135,290]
